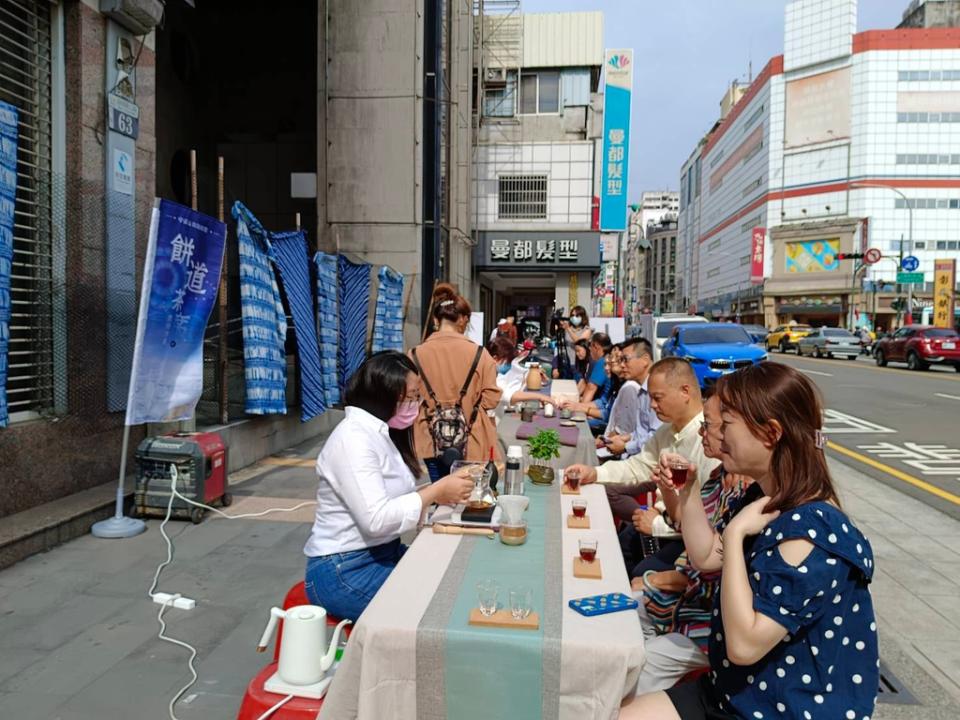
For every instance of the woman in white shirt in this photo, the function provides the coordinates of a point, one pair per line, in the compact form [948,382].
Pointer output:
[367,496]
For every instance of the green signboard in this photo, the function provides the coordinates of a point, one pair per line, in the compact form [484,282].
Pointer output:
[910,278]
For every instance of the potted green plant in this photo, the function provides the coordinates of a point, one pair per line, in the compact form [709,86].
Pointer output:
[544,448]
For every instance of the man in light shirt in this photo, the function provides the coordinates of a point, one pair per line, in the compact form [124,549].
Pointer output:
[675,398]
[636,359]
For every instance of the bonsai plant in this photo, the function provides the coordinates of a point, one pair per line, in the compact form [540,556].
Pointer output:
[544,447]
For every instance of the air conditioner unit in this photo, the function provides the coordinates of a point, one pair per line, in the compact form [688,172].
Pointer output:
[496,75]
[137,16]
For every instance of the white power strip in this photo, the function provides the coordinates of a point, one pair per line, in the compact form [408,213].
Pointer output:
[177,601]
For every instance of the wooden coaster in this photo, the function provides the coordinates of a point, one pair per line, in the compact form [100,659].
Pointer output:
[504,619]
[578,523]
[590,571]
[567,490]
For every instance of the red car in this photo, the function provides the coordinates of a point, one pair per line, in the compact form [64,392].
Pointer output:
[920,346]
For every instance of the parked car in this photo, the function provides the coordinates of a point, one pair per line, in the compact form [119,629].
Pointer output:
[920,346]
[828,341]
[758,333]
[657,328]
[785,337]
[713,349]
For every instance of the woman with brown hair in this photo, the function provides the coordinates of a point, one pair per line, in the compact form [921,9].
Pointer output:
[458,384]
[793,633]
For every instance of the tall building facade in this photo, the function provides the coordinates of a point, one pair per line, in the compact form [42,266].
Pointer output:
[847,141]
[536,161]
[645,217]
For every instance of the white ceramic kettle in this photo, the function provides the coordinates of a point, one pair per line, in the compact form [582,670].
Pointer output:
[305,654]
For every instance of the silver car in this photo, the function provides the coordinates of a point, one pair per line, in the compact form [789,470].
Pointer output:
[828,341]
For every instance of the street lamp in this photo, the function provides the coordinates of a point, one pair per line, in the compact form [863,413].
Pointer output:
[906,202]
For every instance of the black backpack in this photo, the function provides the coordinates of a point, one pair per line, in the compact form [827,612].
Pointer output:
[448,424]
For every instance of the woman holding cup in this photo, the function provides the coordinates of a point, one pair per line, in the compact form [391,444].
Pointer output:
[793,632]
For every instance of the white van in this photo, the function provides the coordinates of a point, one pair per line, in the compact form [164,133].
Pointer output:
[657,328]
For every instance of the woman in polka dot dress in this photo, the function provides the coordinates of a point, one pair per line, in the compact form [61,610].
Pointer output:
[793,632]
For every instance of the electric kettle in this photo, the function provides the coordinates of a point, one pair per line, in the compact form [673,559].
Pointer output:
[305,654]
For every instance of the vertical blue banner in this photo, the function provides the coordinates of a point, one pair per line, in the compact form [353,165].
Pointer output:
[8,195]
[615,165]
[180,281]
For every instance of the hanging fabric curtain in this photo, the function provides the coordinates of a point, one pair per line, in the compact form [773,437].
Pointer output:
[353,292]
[328,324]
[8,194]
[264,322]
[288,250]
[388,320]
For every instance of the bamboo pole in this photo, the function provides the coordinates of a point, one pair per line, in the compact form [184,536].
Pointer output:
[222,309]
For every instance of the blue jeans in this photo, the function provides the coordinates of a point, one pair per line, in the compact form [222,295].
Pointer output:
[345,583]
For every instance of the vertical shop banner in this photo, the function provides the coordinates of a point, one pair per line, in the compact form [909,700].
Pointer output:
[180,281]
[8,195]
[615,163]
[757,242]
[944,292]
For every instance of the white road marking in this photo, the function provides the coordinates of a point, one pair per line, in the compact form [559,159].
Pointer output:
[836,422]
[949,397]
[928,459]
[814,372]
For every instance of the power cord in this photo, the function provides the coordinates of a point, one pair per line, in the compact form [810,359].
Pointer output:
[170,600]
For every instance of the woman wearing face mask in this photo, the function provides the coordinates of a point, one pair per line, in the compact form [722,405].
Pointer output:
[367,495]
[576,329]
[511,375]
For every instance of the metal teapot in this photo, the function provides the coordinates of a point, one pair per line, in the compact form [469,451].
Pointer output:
[305,652]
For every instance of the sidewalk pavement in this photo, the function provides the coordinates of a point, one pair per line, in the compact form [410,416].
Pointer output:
[78,636]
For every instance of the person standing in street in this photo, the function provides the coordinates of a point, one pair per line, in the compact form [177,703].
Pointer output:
[455,374]
[574,329]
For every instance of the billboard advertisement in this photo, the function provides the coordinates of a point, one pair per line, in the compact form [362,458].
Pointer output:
[615,163]
[944,292]
[757,241]
[818,109]
[811,256]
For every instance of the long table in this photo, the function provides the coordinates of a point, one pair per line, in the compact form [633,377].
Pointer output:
[413,655]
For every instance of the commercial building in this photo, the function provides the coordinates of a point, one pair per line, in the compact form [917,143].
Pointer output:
[653,208]
[847,141]
[536,162]
[931,13]
[355,117]
[659,289]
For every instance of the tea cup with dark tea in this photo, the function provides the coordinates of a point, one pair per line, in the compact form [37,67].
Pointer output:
[588,550]
[572,478]
[579,507]
[678,473]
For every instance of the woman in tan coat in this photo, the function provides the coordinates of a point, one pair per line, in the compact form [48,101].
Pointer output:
[445,359]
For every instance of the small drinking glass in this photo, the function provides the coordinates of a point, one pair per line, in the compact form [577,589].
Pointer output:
[579,507]
[487,592]
[572,477]
[521,602]
[678,472]
[588,550]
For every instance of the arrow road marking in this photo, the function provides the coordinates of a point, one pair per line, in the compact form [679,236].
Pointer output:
[949,397]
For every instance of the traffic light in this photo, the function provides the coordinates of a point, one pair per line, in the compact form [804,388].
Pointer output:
[849,256]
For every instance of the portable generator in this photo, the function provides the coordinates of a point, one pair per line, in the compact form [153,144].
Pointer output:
[201,462]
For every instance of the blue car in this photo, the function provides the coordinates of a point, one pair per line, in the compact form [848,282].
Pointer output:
[713,349]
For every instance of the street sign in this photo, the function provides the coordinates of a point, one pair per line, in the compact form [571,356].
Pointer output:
[910,263]
[910,278]
[872,256]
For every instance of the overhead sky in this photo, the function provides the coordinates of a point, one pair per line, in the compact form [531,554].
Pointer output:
[686,53]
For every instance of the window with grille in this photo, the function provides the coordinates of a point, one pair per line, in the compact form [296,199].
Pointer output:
[26,78]
[522,197]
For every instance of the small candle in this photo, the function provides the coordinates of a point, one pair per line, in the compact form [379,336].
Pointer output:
[548,410]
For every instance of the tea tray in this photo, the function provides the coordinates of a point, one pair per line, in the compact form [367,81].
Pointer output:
[504,619]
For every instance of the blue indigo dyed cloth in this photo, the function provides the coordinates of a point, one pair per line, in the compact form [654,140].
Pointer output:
[328,324]
[388,320]
[353,293]
[8,195]
[288,250]
[264,322]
